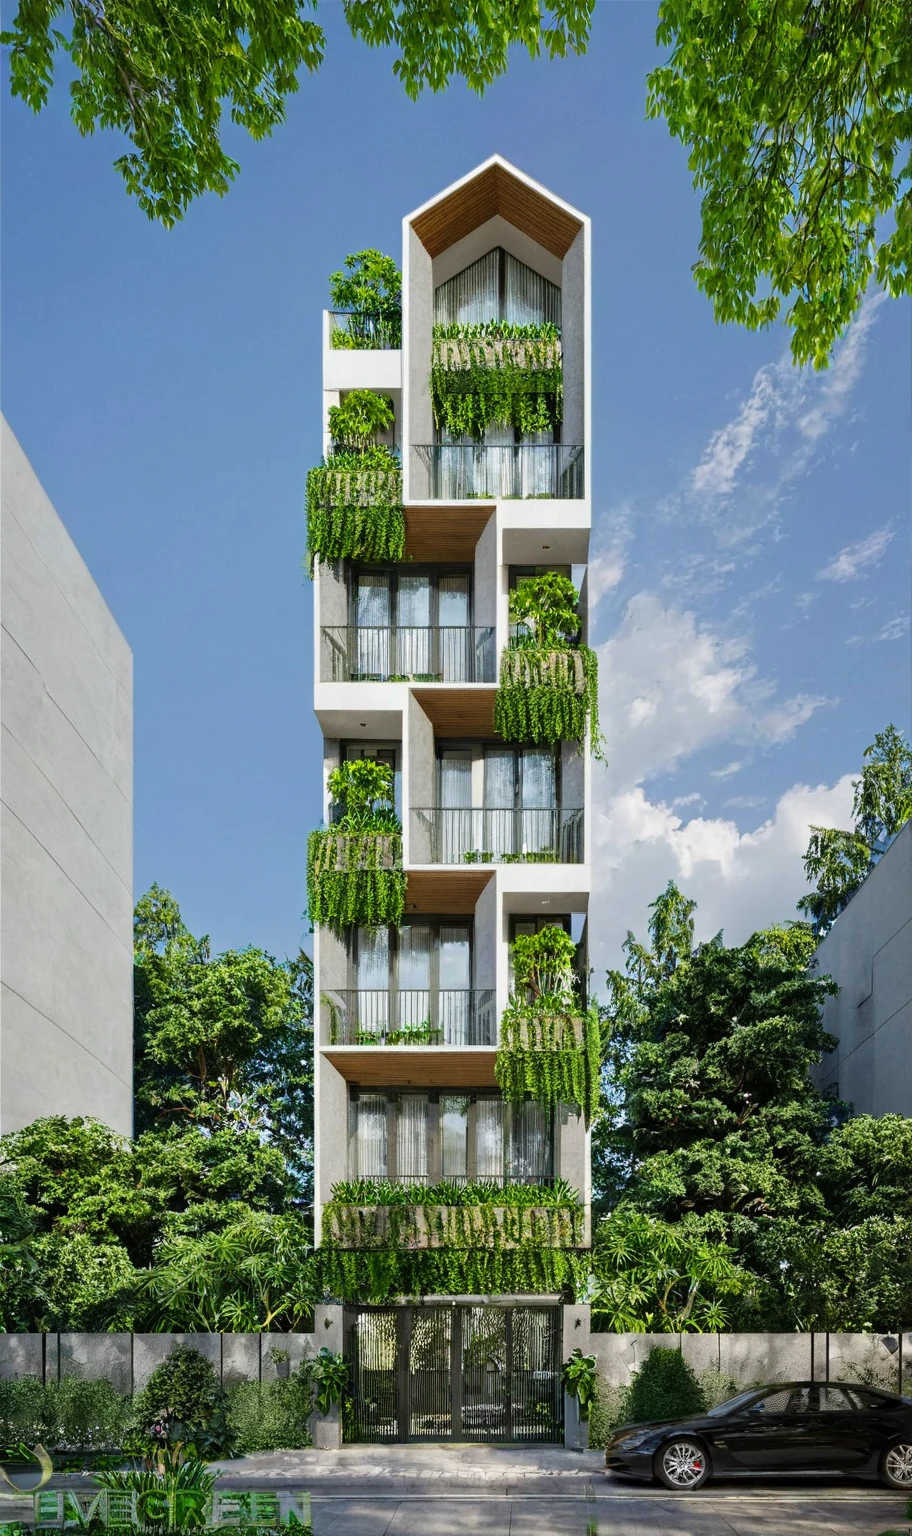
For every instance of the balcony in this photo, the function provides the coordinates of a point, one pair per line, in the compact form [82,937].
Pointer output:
[410,1016]
[453,1214]
[357,331]
[407,653]
[484,835]
[498,472]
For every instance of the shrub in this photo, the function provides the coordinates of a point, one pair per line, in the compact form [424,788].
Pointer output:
[664,1387]
[183,1400]
[272,1415]
[71,1415]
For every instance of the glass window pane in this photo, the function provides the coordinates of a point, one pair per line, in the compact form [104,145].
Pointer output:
[538,778]
[472,296]
[530,298]
[415,955]
[455,779]
[368,1153]
[489,1138]
[530,1142]
[411,1137]
[453,600]
[453,1136]
[373,957]
[455,955]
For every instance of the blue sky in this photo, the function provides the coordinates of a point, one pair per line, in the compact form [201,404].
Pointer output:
[751,523]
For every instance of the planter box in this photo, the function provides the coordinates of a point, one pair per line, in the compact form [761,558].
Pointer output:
[415,1227]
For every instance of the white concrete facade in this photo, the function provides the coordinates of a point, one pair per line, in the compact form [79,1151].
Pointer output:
[66,864]
[415,720]
[868,951]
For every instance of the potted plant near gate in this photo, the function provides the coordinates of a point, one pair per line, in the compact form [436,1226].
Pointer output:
[579,1375]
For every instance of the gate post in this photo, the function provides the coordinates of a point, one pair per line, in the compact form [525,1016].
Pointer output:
[328,1334]
[576,1328]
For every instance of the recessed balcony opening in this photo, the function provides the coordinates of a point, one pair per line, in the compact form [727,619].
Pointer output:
[412,985]
[497,804]
[413,625]
[429,1138]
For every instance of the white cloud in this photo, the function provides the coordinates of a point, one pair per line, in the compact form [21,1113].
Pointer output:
[607,560]
[740,881]
[743,802]
[727,771]
[857,558]
[670,687]
[894,629]
[730,448]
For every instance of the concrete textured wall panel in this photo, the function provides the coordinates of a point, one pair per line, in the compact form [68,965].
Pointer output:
[91,1355]
[868,952]
[66,961]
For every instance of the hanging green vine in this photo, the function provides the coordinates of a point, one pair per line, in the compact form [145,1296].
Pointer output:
[354,866]
[426,1225]
[496,375]
[354,507]
[548,688]
[549,1047]
[374,1277]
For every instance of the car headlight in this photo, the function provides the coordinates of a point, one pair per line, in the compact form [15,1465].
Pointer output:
[630,1442]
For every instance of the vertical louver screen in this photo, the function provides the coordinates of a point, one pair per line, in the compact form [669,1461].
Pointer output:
[497,287]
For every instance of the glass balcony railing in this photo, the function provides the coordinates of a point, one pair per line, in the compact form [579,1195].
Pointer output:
[487,471]
[484,835]
[355,331]
[407,652]
[409,1016]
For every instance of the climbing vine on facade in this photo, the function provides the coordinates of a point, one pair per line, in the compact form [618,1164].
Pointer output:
[354,497]
[548,688]
[496,374]
[550,1047]
[354,866]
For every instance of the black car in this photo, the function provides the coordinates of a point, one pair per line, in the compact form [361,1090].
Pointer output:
[796,1426]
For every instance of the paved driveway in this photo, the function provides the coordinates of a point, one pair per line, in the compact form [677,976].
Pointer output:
[610,1509]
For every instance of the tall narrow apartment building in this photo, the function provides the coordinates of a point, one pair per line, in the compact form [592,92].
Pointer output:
[449,885]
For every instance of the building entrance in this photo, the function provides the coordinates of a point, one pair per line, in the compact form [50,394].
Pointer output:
[483,1374]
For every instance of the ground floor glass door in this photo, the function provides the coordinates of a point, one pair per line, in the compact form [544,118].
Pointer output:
[482,1374]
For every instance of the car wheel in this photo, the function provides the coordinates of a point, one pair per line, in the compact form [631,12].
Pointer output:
[896,1467]
[682,1463]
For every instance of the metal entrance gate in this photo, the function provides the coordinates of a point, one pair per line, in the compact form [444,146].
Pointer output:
[482,1373]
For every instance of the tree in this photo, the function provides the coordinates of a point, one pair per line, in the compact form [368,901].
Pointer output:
[652,1276]
[839,861]
[161,73]
[798,118]
[710,1052]
[224,1042]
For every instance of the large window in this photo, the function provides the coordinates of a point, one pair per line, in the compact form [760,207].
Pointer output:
[497,287]
[426,1137]
[413,624]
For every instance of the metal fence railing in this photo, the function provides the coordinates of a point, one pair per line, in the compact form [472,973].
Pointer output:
[354,330]
[412,652]
[482,835]
[464,471]
[409,1016]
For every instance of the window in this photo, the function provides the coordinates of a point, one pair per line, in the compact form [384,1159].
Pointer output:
[789,1400]
[860,1397]
[414,976]
[412,624]
[497,287]
[425,1137]
[833,1400]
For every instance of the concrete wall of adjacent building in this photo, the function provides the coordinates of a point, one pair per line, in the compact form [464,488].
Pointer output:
[66,944]
[868,951]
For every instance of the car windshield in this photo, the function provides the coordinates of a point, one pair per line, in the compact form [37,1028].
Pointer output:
[732,1404]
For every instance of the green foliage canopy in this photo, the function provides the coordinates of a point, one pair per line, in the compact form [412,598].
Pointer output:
[798,120]
[664,1387]
[369,286]
[162,74]
[839,861]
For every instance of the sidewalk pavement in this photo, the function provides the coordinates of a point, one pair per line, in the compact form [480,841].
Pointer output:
[410,1464]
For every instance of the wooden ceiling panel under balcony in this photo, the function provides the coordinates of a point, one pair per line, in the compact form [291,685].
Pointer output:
[494,192]
[434,1066]
[444,533]
[459,712]
[445,893]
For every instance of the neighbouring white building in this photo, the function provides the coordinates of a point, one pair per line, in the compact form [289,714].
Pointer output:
[66,858]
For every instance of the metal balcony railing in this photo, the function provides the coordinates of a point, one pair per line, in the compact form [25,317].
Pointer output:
[409,1016]
[353,330]
[407,652]
[481,835]
[466,471]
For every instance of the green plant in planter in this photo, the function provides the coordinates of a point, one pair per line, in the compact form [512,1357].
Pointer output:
[330,1373]
[579,1375]
[370,287]
[183,1402]
[354,507]
[496,374]
[354,496]
[354,867]
[549,1048]
[548,687]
